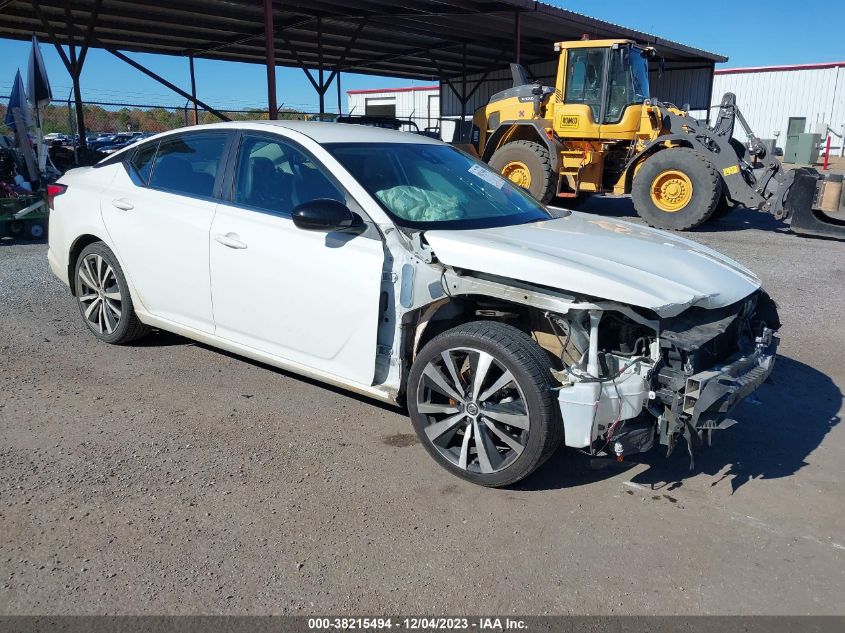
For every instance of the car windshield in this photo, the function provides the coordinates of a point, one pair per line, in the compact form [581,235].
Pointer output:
[436,186]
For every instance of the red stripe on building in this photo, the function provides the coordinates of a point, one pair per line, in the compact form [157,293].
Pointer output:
[405,89]
[768,69]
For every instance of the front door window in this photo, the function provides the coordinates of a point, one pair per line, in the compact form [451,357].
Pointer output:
[277,177]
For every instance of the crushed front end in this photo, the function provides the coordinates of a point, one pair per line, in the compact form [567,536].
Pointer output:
[628,381]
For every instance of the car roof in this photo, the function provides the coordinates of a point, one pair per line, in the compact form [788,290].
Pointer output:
[319,131]
[323,132]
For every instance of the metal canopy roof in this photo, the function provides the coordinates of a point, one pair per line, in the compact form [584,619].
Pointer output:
[417,39]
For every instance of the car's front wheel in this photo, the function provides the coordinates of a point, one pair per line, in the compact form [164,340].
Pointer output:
[481,401]
[103,296]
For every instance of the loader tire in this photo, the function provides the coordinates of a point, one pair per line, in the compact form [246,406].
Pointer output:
[723,207]
[529,165]
[676,189]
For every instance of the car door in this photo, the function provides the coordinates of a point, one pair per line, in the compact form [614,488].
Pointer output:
[311,298]
[158,213]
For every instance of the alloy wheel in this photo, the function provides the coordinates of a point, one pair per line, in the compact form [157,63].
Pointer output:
[99,294]
[477,415]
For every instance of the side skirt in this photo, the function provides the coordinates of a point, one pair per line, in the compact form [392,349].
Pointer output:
[372,391]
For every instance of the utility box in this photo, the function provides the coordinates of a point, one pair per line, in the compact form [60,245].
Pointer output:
[807,148]
[770,144]
[795,127]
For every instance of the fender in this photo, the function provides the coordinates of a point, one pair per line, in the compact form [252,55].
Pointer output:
[649,149]
[530,129]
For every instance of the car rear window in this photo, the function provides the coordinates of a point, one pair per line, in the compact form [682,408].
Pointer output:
[142,163]
[188,164]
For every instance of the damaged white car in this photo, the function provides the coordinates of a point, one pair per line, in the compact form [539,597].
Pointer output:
[398,267]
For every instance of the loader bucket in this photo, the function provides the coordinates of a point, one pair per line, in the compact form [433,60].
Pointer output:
[802,205]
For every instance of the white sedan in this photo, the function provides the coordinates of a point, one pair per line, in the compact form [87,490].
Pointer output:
[399,267]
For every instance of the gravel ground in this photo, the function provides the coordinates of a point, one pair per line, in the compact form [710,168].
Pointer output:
[168,477]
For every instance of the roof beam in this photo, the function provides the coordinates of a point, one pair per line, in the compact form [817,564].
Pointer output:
[166,83]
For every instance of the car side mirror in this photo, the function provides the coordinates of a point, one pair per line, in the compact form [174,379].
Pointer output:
[324,215]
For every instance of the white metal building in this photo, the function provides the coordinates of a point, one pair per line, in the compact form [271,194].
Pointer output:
[768,96]
[420,104]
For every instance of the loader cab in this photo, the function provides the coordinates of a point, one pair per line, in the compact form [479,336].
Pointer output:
[602,84]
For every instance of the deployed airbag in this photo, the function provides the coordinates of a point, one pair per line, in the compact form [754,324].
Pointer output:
[416,204]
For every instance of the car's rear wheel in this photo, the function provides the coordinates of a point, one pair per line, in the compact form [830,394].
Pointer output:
[103,296]
[481,401]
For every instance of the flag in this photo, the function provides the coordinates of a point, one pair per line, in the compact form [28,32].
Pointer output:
[37,83]
[17,100]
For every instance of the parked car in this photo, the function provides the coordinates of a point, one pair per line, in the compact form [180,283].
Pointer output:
[110,140]
[121,143]
[398,267]
[56,137]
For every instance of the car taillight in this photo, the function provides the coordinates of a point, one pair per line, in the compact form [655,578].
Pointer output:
[54,190]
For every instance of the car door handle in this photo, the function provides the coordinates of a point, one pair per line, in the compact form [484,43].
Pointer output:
[123,204]
[232,240]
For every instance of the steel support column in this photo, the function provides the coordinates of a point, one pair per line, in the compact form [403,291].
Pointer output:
[463,89]
[710,94]
[340,104]
[73,64]
[323,86]
[270,59]
[517,36]
[82,141]
[194,89]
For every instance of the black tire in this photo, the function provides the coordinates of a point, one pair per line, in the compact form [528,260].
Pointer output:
[723,207]
[706,189]
[514,352]
[535,157]
[128,328]
[35,230]
[15,228]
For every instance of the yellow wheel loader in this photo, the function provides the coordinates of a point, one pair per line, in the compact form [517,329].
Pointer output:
[599,131]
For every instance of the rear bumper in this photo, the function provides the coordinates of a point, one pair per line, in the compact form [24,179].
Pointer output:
[59,268]
[710,395]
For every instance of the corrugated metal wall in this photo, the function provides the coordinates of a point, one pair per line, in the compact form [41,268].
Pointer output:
[768,98]
[495,82]
[420,106]
[680,85]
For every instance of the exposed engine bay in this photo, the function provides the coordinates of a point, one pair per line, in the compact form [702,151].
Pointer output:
[629,378]
[624,384]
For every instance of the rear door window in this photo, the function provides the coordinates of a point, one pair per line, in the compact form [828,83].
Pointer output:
[188,164]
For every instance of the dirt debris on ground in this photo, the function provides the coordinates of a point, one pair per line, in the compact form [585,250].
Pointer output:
[168,477]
